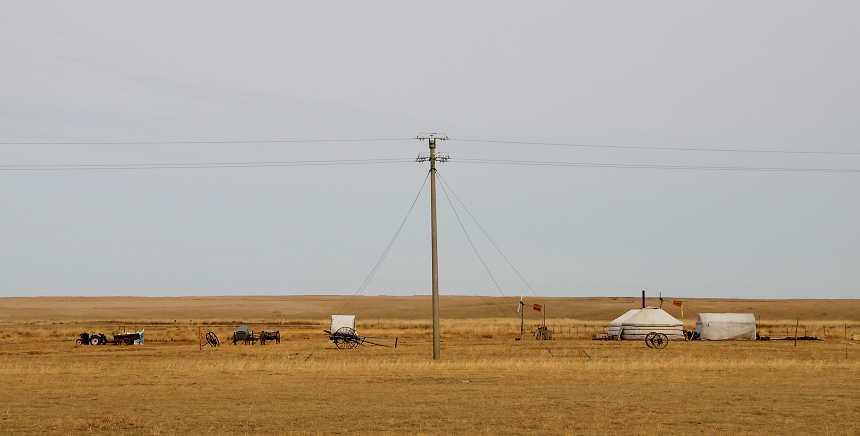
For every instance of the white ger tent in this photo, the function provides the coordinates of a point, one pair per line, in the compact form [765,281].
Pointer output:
[615,324]
[726,326]
[651,319]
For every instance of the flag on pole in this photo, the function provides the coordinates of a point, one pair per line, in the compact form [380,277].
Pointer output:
[537,307]
[681,305]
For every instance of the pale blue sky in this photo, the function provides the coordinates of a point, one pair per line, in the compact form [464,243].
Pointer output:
[749,76]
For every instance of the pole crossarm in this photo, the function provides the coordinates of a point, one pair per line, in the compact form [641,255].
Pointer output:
[440,136]
[424,157]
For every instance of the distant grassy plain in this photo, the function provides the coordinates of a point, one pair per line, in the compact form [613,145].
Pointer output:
[487,382]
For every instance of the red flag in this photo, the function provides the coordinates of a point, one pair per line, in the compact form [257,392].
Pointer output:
[678,303]
[537,307]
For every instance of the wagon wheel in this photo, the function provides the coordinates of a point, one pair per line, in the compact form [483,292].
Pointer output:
[660,340]
[649,339]
[79,342]
[126,341]
[346,337]
[351,343]
[95,340]
[345,342]
[212,340]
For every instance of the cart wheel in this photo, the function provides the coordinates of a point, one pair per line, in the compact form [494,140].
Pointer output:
[79,342]
[660,340]
[126,341]
[350,337]
[344,343]
[212,340]
[649,339]
[94,340]
[345,337]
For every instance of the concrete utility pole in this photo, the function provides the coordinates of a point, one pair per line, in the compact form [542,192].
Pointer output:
[432,137]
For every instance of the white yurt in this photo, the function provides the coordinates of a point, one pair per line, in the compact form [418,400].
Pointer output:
[652,319]
[726,326]
[615,324]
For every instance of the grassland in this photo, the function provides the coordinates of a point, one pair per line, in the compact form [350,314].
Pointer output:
[486,383]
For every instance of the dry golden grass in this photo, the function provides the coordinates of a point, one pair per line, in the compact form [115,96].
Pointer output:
[486,383]
[284,308]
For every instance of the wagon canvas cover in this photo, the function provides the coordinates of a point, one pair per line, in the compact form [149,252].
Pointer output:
[338,321]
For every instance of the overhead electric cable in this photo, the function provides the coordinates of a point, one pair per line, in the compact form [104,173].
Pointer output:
[387,249]
[273,141]
[485,141]
[475,249]
[651,166]
[210,165]
[444,183]
[642,147]
[205,165]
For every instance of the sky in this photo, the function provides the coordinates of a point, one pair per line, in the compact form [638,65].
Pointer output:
[693,149]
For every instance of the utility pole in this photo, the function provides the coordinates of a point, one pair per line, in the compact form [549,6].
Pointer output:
[432,137]
[522,319]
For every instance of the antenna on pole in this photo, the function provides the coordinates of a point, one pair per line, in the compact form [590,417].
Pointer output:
[432,157]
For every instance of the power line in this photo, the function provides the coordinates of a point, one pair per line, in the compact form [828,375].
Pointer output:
[278,141]
[486,141]
[475,249]
[387,249]
[211,165]
[633,147]
[499,250]
[206,165]
[650,166]
[636,147]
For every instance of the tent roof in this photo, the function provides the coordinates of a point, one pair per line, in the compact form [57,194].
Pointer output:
[727,317]
[622,318]
[652,316]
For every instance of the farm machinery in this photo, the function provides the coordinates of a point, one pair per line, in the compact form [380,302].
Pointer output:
[244,335]
[91,339]
[119,338]
[343,334]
